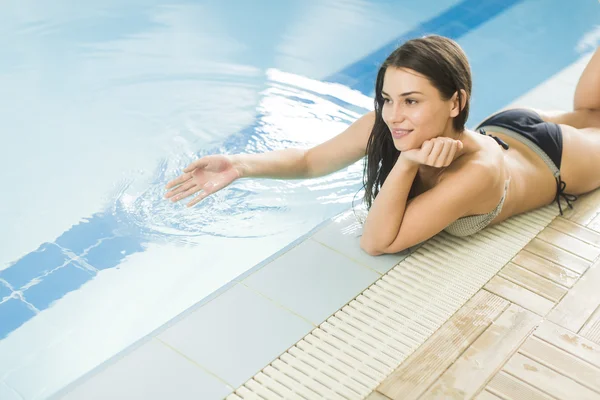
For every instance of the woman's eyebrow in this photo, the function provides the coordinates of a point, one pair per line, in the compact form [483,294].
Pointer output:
[403,94]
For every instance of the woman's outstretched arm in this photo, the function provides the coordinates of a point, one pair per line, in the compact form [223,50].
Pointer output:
[338,152]
[212,173]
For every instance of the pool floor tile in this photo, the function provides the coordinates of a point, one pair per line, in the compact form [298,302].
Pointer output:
[13,313]
[4,291]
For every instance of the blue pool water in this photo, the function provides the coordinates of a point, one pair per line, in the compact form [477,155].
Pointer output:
[102,104]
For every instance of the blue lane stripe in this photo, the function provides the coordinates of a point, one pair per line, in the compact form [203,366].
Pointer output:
[453,23]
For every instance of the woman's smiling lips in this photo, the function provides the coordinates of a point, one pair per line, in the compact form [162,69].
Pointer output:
[399,133]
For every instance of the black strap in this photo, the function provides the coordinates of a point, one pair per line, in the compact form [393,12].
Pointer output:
[560,191]
[501,142]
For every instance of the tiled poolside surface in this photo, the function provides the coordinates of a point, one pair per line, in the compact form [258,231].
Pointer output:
[531,332]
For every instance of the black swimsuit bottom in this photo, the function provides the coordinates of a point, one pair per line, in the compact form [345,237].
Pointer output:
[545,138]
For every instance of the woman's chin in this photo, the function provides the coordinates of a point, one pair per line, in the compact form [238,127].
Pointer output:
[401,147]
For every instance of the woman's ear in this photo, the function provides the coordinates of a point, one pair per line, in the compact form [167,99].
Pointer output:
[458,104]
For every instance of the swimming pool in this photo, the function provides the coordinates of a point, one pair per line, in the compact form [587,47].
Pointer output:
[105,103]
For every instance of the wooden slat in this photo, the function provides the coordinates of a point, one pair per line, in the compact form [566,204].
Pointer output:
[519,295]
[426,364]
[485,395]
[548,269]
[585,208]
[569,243]
[547,380]
[562,362]
[580,302]
[485,356]
[558,256]
[595,224]
[377,396]
[508,387]
[533,282]
[591,329]
[582,233]
[569,341]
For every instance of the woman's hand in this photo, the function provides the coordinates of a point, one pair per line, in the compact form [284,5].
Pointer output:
[209,174]
[438,152]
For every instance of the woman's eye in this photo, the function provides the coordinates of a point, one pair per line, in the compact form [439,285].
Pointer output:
[386,100]
[411,101]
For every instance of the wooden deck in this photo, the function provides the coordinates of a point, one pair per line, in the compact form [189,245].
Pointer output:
[532,332]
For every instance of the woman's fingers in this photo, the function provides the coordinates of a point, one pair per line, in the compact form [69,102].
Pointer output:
[179,180]
[180,189]
[200,163]
[446,155]
[456,147]
[440,151]
[186,193]
[197,199]
[434,155]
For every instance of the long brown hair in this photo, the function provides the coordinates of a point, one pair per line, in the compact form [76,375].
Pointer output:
[444,63]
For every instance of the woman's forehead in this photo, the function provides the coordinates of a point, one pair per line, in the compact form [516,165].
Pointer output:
[404,79]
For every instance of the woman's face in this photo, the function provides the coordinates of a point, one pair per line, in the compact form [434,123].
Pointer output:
[413,109]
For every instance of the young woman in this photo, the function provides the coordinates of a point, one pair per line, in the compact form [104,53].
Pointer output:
[424,171]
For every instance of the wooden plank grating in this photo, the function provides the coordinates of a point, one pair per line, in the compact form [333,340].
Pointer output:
[469,374]
[580,302]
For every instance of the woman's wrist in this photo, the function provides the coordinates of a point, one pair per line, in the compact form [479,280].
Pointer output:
[405,164]
[238,165]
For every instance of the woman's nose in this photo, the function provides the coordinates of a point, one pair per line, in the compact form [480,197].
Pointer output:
[396,114]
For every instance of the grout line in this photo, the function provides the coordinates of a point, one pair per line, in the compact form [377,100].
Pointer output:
[19,296]
[278,304]
[352,259]
[203,368]
[8,285]
[361,263]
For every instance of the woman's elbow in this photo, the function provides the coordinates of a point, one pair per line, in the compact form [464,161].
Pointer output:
[369,248]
